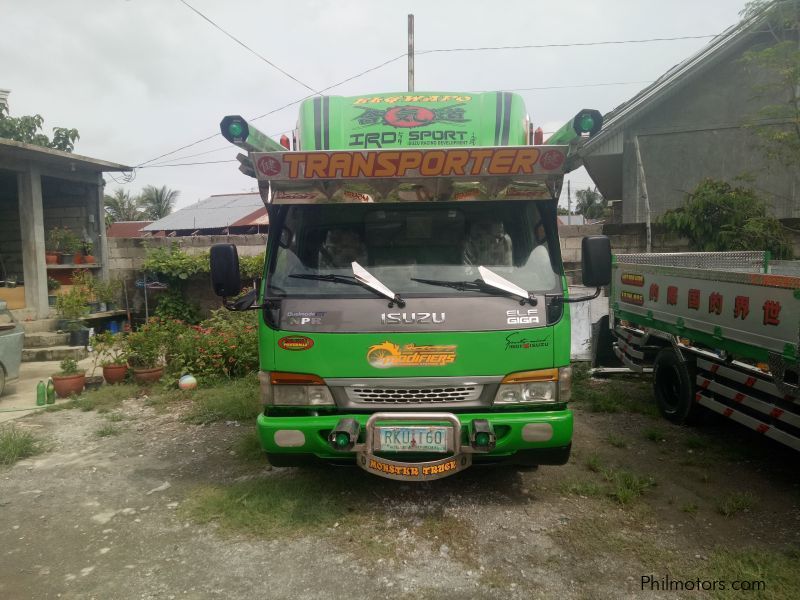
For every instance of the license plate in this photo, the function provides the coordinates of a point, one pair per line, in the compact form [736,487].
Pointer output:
[413,439]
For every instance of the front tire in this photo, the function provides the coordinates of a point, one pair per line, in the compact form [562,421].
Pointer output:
[673,387]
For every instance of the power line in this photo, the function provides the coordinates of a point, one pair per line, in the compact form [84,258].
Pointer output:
[245,46]
[567,44]
[209,162]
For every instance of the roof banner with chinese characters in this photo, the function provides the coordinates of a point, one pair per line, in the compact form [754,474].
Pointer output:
[748,314]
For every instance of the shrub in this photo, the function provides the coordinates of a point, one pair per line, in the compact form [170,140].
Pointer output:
[69,367]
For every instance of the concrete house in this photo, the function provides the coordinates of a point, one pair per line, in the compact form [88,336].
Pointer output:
[689,125]
[40,189]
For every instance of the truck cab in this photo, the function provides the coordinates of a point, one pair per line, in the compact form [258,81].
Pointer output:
[414,309]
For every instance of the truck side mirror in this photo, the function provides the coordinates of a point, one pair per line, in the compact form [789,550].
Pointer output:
[225,278]
[596,260]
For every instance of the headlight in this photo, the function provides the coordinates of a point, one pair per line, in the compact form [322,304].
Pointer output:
[294,389]
[529,387]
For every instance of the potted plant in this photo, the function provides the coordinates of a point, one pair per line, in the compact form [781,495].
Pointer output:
[85,280]
[145,353]
[71,247]
[53,245]
[70,380]
[107,293]
[71,307]
[88,256]
[112,352]
[53,285]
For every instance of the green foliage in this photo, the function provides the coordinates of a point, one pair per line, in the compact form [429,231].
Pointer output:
[156,202]
[718,217]
[172,305]
[110,348]
[28,128]
[251,267]
[62,239]
[107,290]
[777,123]
[235,401]
[71,305]
[69,366]
[16,444]
[121,206]
[146,347]
[53,284]
[590,204]
[175,264]
[223,346]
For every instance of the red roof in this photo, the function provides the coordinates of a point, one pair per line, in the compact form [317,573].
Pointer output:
[259,217]
[127,229]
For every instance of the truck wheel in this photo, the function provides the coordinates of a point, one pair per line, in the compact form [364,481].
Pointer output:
[673,386]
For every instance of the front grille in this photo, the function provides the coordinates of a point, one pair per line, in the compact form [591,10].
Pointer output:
[415,395]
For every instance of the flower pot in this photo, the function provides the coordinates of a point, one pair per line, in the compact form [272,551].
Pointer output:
[93,307]
[77,258]
[115,373]
[51,300]
[51,258]
[79,337]
[94,382]
[89,259]
[66,385]
[148,375]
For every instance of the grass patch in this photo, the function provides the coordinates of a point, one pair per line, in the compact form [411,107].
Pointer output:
[104,399]
[615,396]
[115,417]
[108,431]
[594,463]
[617,441]
[588,489]
[16,444]
[736,503]
[655,434]
[248,448]
[234,400]
[626,486]
[291,505]
[779,572]
[690,508]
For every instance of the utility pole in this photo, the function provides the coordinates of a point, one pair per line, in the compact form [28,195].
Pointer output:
[410,53]
[569,202]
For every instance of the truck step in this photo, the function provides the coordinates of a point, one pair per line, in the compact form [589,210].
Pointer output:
[53,353]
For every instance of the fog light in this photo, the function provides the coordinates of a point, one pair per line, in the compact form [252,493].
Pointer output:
[345,435]
[482,435]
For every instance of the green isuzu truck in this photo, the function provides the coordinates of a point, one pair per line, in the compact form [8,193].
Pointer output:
[414,309]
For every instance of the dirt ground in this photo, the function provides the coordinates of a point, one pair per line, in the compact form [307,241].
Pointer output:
[166,509]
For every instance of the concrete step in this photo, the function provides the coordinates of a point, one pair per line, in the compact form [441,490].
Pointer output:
[45,339]
[53,353]
[40,325]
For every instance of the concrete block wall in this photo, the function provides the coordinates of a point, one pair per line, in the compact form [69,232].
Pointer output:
[69,204]
[126,256]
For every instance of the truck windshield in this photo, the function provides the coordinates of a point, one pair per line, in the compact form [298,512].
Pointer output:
[399,244]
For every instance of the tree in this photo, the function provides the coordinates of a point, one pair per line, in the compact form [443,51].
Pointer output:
[123,207]
[156,202]
[778,124]
[590,204]
[28,128]
[718,217]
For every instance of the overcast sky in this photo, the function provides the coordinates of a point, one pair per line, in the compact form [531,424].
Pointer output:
[141,78]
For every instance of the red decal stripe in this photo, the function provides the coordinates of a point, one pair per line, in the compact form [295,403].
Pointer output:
[714,368]
[738,397]
[762,428]
[697,397]
[776,413]
[750,381]
[727,412]
[705,384]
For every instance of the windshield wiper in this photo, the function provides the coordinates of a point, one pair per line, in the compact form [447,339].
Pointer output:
[490,283]
[361,278]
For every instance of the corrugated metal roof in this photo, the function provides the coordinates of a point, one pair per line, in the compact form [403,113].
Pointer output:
[673,78]
[212,213]
[126,229]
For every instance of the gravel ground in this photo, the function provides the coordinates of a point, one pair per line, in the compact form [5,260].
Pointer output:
[116,516]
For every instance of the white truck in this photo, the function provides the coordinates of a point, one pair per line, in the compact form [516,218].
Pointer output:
[719,330]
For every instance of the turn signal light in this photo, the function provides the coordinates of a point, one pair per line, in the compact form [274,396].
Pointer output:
[279,378]
[526,376]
